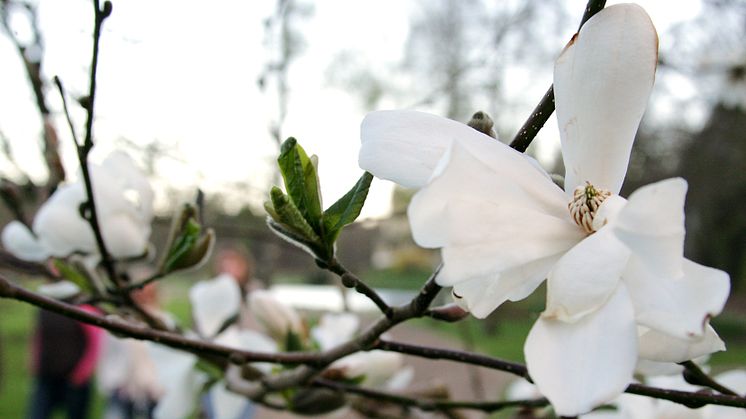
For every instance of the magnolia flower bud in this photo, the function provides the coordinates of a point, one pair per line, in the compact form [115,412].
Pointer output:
[279,319]
[317,401]
[373,368]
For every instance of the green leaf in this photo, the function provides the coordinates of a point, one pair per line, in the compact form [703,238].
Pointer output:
[346,209]
[289,215]
[72,274]
[184,243]
[293,342]
[301,182]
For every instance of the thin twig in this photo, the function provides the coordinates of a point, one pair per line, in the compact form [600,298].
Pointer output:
[61,90]
[428,404]
[545,108]
[350,280]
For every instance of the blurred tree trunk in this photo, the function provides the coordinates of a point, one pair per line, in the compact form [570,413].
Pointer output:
[714,164]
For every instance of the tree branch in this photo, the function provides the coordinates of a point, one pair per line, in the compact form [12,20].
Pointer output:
[428,404]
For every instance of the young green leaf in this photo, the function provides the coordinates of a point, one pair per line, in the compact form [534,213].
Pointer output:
[301,181]
[72,274]
[289,215]
[185,241]
[346,209]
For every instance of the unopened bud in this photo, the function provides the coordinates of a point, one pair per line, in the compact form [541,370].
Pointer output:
[317,401]
[482,122]
[279,319]
[449,312]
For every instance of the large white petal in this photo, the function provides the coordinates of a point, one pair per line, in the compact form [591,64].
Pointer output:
[581,365]
[679,307]
[602,81]
[490,209]
[482,295]
[226,404]
[585,277]
[376,366]
[179,379]
[59,226]
[249,340]
[132,181]
[18,240]
[652,226]
[405,146]
[660,347]
[124,236]
[214,301]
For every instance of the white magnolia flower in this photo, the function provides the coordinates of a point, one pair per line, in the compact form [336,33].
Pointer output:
[213,303]
[377,368]
[335,329]
[277,318]
[503,226]
[124,203]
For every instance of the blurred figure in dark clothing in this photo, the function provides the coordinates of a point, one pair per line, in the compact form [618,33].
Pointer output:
[64,355]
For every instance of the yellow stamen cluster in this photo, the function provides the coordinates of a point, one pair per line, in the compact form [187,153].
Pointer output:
[586,201]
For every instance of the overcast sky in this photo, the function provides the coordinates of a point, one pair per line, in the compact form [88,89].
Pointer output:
[184,73]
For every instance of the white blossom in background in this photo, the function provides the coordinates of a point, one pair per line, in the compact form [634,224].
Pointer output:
[335,329]
[124,203]
[277,318]
[214,302]
[612,265]
[375,368]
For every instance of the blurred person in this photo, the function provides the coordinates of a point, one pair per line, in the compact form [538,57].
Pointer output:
[64,354]
[127,374]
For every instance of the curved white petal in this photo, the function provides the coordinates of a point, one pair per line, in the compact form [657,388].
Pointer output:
[652,226]
[132,182]
[679,307]
[400,380]
[490,209]
[124,236]
[214,301]
[652,368]
[249,340]
[178,378]
[581,365]
[226,404]
[602,81]
[18,240]
[59,290]
[376,366]
[59,226]
[334,329]
[405,146]
[585,277]
[660,347]
[482,295]
[277,318]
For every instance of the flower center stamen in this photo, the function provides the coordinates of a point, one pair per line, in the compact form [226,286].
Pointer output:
[585,203]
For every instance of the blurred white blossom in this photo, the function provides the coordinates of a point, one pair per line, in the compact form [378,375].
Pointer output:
[124,204]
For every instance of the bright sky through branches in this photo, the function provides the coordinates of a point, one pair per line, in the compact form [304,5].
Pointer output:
[184,73]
